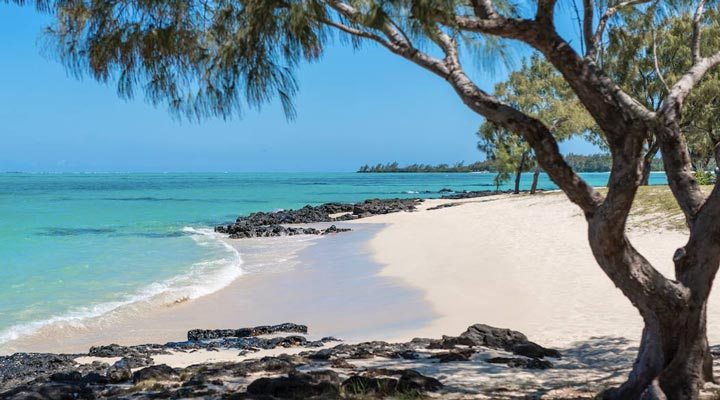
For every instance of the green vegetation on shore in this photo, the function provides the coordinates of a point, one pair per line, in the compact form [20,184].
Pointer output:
[579,163]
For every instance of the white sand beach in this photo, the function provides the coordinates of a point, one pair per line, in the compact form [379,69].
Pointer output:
[521,262]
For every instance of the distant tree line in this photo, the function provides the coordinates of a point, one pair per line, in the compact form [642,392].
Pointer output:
[601,162]
[579,162]
[480,166]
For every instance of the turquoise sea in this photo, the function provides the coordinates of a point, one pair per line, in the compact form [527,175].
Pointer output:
[78,245]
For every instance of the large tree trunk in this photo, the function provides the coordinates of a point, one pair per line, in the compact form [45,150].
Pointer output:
[536,176]
[673,360]
[518,173]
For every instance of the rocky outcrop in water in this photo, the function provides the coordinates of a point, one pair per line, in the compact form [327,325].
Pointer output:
[471,194]
[270,224]
[335,372]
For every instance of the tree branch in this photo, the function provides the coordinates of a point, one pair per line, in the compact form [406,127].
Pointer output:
[388,29]
[587,27]
[535,133]
[609,105]
[602,23]
[396,41]
[546,12]
[360,33]
[484,9]
[656,63]
[697,27]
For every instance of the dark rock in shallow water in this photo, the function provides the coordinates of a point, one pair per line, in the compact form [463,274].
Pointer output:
[207,334]
[516,362]
[264,224]
[468,194]
[471,194]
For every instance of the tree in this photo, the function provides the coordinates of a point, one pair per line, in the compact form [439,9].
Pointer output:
[538,90]
[643,55]
[508,154]
[210,58]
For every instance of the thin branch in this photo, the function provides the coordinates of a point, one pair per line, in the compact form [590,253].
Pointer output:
[587,27]
[388,29]
[395,41]
[583,37]
[697,27]
[657,63]
[600,30]
[359,33]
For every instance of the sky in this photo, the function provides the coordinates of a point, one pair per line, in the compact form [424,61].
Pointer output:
[355,107]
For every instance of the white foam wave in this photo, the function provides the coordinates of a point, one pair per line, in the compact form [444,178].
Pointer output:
[203,278]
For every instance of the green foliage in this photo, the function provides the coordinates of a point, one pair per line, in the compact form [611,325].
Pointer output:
[630,60]
[705,177]
[539,90]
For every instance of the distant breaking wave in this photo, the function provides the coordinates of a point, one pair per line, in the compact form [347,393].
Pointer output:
[204,278]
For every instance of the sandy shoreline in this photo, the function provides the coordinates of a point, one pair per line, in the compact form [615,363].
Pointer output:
[329,283]
[520,262]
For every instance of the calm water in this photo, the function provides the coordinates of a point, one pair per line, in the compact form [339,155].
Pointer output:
[74,246]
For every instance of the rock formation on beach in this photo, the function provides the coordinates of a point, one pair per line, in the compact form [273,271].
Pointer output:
[269,224]
[321,370]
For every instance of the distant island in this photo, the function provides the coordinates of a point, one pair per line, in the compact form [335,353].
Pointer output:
[580,163]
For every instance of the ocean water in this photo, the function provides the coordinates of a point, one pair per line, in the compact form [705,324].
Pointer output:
[76,246]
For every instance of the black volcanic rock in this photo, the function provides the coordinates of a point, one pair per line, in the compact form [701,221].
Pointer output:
[271,224]
[517,362]
[160,372]
[303,375]
[205,334]
[323,384]
[22,367]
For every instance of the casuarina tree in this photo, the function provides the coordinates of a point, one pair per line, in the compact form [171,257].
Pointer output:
[211,58]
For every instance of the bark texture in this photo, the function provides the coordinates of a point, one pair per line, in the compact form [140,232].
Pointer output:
[536,176]
[518,172]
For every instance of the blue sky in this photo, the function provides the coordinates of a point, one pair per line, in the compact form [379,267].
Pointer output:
[354,107]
